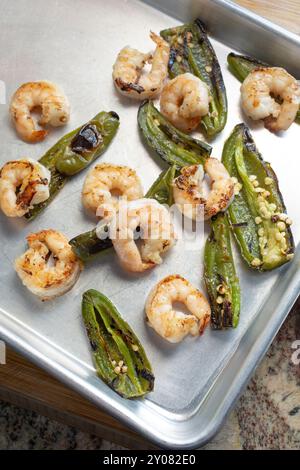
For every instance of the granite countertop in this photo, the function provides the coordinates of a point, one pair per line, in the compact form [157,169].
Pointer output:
[267,416]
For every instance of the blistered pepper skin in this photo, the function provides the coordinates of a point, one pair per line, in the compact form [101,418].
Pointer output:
[63,162]
[257,212]
[90,142]
[118,355]
[170,144]
[242,65]
[220,276]
[191,51]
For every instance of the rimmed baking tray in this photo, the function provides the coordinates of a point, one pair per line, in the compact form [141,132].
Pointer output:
[75,44]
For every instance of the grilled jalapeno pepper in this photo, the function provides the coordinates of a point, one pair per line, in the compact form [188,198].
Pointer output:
[88,143]
[172,145]
[90,244]
[242,65]
[161,189]
[119,357]
[191,51]
[220,276]
[257,213]
[75,151]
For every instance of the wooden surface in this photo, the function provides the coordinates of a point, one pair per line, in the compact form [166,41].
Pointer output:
[23,384]
[284,12]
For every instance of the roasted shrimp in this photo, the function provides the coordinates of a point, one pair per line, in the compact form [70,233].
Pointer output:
[55,109]
[127,70]
[189,195]
[184,101]
[49,268]
[101,183]
[149,220]
[23,183]
[271,94]
[169,323]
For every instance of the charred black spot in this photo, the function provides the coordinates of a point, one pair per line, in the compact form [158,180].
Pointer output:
[227,316]
[172,57]
[114,115]
[93,345]
[114,385]
[147,375]
[87,139]
[239,224]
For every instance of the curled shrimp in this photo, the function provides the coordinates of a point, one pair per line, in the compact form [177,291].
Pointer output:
[127,70]
[184,101]
[188,190]
[271,94]
[105,179]
[23,183]
[49,268]
[55,109]
[153,223]
[169,323]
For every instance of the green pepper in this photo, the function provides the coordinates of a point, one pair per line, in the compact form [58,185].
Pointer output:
[88,144]
[90,244]
[119,357]
[220,276]
[172,145]
[257,213]
[75,151]
[191,51]
[161,190]
[242,65]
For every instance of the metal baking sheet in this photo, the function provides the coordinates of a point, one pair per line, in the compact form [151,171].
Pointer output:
[75,45]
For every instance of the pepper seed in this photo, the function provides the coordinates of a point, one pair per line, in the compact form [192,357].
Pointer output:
[256,262]
[268,181]
[281,226]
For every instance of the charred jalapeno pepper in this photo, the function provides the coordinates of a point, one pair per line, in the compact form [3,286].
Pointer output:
[119,357]
[257,213]
[75,151]
[191,51]
[220,276]
[90,244]
[161,190]
[172,145]
[88,143]
[242,65]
